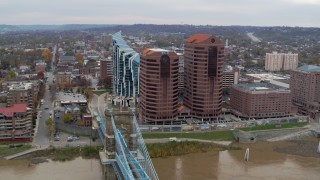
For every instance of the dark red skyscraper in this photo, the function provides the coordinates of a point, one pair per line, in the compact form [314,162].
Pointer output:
[158,88]
[203,63]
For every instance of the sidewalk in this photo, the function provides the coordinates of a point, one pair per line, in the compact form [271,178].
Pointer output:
[26,152]
[166,140]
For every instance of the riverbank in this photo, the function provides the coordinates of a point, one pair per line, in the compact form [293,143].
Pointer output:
[185,147]
[305,148]
[62,154]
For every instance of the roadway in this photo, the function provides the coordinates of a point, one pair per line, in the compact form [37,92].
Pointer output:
[41,137]
[253,38]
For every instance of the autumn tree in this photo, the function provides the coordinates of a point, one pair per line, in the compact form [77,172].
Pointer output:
[50,126]
[79,58]
[89,94]
[67,118]
[47,55]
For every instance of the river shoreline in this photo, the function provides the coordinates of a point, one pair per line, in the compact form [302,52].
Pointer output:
[304,148]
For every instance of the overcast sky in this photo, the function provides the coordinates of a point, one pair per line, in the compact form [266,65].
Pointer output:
[203,12]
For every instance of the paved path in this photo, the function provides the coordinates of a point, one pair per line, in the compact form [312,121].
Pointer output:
[26,152]
[166,140]
[295,135]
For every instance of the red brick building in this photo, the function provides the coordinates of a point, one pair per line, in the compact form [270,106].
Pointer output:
[203,68]
[158,86]
[305,87]
[16,123]
[260,100]
[105,68]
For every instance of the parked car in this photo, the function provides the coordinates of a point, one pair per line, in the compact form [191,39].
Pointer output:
[70,138]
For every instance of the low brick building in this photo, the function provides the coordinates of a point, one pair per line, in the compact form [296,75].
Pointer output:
[260,100]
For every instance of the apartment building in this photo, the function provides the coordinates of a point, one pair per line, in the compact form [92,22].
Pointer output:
[305,87]
[16,123]
[281,61]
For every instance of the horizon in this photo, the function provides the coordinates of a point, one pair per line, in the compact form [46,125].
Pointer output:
[88,24]
[262,13]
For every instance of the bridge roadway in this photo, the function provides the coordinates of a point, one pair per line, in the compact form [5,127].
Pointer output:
[127,165]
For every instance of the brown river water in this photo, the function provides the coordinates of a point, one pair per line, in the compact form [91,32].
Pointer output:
[264,163]
[78,169]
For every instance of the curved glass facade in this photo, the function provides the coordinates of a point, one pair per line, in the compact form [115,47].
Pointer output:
[125,67]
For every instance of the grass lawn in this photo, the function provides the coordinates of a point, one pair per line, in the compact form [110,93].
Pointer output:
[214,135]
[5,150]
[99,92]
[181,148]
[217,135]
[66,154]
[272,126]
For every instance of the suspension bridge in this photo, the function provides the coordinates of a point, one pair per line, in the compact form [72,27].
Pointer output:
[125,156]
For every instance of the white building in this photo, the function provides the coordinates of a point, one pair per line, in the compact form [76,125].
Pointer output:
[281,62]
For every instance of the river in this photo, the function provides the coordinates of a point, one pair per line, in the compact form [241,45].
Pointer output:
[78,169]
[264,163]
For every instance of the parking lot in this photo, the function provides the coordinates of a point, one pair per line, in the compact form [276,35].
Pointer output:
[82,141]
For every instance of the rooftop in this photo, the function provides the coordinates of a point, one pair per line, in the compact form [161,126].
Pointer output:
[71,97]
[199,38]
[20,86]
[16,108]
[261,86]
[309,68]
[67,58]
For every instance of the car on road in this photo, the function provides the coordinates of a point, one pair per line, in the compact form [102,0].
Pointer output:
[46,108]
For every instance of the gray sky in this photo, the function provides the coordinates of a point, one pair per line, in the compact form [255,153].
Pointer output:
[212,12]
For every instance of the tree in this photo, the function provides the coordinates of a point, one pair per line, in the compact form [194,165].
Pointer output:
[79,58]
[41,75]
[67,118]
[106,82]
[47,55]
[11,75]
[89,94]
[50,126]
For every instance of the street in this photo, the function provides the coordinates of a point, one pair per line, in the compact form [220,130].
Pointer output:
[41,137]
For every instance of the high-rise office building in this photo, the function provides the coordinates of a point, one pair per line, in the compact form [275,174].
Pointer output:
[305,87]
[158,86]
[125,67]
[203,62]
[281,62]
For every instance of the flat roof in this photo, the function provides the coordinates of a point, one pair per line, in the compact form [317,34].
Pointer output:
[260,86]
[71,97]
[309,68]
[268,76]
